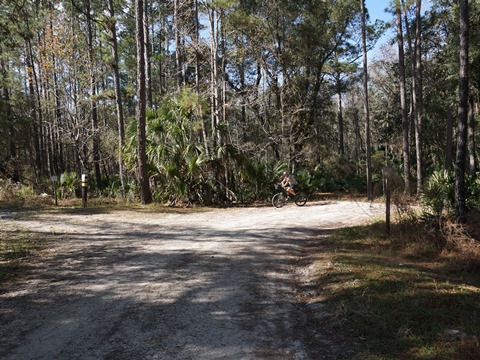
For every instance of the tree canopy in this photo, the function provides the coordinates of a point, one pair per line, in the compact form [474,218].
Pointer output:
[235,92]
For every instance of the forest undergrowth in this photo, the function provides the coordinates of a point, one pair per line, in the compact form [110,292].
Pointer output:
[412,294]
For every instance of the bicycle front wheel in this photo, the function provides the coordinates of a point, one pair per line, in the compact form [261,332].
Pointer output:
[278,200]
[301,198]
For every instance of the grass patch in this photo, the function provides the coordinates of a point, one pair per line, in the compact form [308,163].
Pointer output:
[400,297]
[17,249]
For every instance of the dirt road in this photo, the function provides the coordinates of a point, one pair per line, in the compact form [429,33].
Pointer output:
[215,284]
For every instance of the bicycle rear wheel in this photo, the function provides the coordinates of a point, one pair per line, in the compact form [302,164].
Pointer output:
[301,198]
[278,200]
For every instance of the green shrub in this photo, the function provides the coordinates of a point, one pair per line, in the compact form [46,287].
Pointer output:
[258,178]
[68,184]
[439,192]
[337,174]
[472,184]
[306,180]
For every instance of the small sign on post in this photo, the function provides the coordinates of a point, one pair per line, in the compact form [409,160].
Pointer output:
[54,186]
[84,190]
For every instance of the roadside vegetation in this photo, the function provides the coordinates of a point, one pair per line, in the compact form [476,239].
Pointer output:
[17,250]
[413,294]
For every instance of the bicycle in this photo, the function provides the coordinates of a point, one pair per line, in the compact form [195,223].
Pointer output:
[282,197]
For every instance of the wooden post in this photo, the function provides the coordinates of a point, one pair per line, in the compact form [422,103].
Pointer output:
[54,188]
[84,190]
[387,176]
[387,206]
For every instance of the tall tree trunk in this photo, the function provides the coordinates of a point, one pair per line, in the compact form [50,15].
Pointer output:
[365,104]
[59,165]
[403,100]
[12,134]
[50,147]
[118,93]
[160,41]
[58,150]
[449,140]
[32,108]
[197,47]
[415,51]
[412,115]
[223,78]
[418,98]
[341,143]
[93,93]
[214,90]
[472,158]
[178,45]
[38,109]
[145,192]
[462,123]
[358,139]
[203,130]
[148,68]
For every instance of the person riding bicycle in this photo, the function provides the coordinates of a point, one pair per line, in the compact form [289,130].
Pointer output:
[289,183]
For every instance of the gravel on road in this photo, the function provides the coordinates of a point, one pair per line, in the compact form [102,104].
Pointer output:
[194,284]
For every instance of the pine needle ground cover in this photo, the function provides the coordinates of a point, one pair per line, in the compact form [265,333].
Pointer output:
[411,295]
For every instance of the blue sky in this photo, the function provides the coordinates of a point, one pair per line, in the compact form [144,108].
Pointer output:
[375,9]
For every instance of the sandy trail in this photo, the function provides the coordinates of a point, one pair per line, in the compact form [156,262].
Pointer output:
[215,284]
